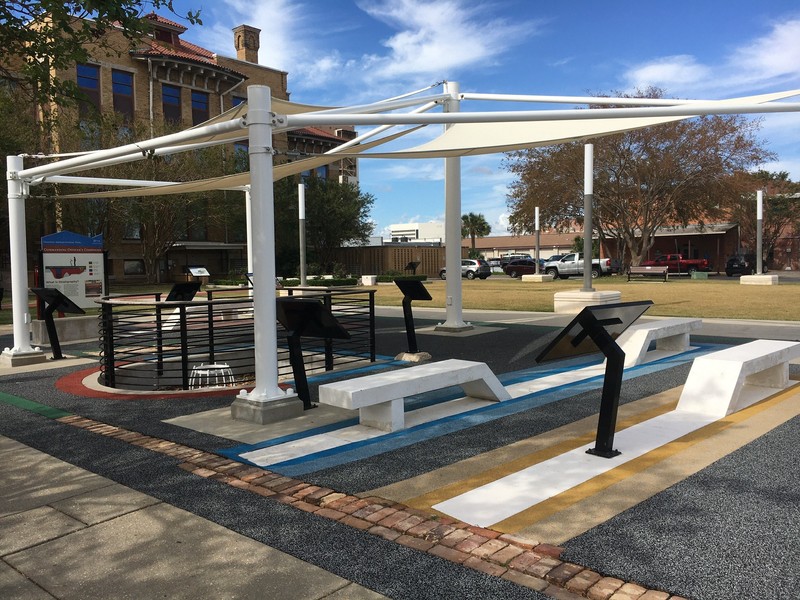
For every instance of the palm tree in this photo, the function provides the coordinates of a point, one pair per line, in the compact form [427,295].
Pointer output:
[474,225]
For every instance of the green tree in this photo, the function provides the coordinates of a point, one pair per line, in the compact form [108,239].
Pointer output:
[781,210]
[671,174]
[41,37]
[157,222]
[336,214]
[474,226]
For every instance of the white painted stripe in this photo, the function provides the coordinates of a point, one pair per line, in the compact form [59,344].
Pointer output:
[499,500]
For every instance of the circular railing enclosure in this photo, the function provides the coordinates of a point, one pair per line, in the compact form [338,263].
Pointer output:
[147,343]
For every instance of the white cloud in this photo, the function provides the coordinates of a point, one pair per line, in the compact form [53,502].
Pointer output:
[669,72]
[763,63]
[774,56]
[436,38]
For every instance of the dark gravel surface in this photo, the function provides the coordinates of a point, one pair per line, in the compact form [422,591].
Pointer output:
[731,530]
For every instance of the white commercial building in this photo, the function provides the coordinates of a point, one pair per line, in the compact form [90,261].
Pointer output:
[432,231]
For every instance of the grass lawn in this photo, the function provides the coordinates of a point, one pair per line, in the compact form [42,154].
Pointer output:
[716,297]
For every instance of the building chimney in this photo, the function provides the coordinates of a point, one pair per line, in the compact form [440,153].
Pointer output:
[246,41]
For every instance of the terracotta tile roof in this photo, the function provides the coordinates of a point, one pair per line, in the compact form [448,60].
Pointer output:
[185,51]
[161,20]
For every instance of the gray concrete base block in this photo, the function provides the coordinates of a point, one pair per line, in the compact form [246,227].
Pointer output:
[538,278]
[759,280]
[414,357]
[576,300]
[444,327]
[263,412]
[21,359]
[69,329]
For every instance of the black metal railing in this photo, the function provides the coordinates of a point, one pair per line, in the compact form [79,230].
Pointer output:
[151,344]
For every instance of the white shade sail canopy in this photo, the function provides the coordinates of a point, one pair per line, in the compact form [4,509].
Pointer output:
[459,139]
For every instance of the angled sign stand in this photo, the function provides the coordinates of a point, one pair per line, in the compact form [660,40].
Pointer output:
[412,290]
[310,318]
[595,329]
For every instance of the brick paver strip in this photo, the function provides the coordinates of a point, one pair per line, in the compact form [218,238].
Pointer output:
[654,595]
[450,554]
[629,591]
[581,583]
[561,574]
[604,589]
[523,561]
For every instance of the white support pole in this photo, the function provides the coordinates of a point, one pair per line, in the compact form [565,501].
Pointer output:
[267,402]
[248,212]
[536,229]
[588,197]
[452,229]
[301,217]
[759,231]
[21,353]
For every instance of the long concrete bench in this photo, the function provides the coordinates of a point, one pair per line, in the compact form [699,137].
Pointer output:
[727,381]
[669,334]
[379,397]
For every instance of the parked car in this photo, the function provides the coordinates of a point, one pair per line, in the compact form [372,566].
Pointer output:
[471,268]
[554,258]
[742,264]
[507,258]
[494,262]
[523,266]
[572,264]
[677,263]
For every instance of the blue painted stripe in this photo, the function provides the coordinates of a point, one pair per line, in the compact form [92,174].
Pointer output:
[390,441]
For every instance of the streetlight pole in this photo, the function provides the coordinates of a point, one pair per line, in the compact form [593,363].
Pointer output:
[588,196]
[759,230]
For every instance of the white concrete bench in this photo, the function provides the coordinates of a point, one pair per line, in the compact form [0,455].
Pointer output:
[669,334]
[379,397]
[727,381]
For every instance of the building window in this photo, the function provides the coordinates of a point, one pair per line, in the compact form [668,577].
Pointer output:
[171,103]
[237,100]
[319,173]
[89,84]
[122,87]
[132,231]
[133,267]
[199,107]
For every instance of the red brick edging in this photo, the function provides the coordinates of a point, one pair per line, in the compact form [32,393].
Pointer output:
[531,564]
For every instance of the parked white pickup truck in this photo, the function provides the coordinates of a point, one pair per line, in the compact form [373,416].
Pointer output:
[572,264]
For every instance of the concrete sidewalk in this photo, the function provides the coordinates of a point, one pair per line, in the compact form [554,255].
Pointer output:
[69,533]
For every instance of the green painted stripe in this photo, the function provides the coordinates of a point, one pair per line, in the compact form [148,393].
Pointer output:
[36,407]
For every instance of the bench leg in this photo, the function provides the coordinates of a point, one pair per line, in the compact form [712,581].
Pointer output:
[388,416]
[679,343]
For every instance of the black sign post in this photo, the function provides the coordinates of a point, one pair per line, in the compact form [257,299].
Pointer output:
[55,301]
[412,290]
[594,329]
[309,318]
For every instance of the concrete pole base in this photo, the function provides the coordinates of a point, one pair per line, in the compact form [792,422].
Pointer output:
[263,412]
[576,300]
[21,359]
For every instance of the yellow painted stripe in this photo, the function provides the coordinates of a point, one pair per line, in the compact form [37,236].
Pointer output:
[601,482]
[426,501]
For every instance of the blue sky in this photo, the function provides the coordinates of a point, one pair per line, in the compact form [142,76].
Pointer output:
[350,51]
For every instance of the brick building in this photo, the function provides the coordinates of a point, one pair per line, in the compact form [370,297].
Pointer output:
[168,79]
